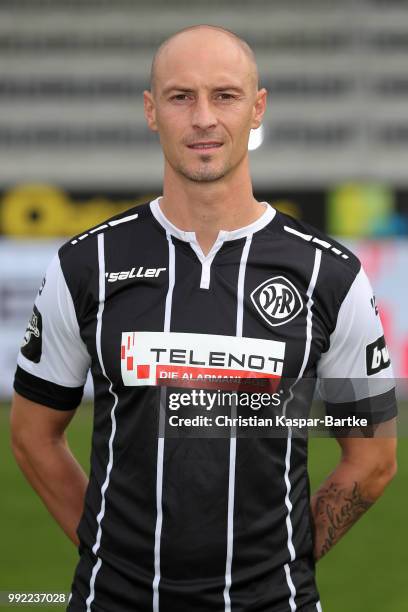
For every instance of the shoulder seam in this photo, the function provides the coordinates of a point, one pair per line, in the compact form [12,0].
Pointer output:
[104,226]
[321,243]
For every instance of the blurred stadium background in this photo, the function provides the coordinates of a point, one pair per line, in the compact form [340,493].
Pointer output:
[333,150]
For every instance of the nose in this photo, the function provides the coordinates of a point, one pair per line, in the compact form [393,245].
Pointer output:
[203,115]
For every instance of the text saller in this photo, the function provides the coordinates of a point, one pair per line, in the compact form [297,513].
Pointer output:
[141,272]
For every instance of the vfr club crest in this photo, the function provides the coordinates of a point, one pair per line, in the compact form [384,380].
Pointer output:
[277,300]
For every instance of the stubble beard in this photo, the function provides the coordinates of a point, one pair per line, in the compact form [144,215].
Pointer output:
[205,173]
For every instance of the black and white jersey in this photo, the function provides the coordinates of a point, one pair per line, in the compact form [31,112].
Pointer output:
[183,523]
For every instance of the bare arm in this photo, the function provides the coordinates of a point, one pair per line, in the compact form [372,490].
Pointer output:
[367,465]
[41,450]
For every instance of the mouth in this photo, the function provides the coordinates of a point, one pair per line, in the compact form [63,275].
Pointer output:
[205,145]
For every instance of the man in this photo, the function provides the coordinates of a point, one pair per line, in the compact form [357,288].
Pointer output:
[203,282]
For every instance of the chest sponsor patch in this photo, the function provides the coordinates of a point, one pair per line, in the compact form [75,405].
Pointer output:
[149,357]
[32,344]
[277,300]
[377,356]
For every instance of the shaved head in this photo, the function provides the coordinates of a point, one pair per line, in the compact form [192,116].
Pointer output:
[200,31]
[204,100]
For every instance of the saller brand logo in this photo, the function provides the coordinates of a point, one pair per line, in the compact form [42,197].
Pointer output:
[277,300]
[377,356]
[147,357]
[140,272]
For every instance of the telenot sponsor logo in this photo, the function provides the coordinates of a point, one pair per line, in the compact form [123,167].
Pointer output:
[277,300]
[147,357]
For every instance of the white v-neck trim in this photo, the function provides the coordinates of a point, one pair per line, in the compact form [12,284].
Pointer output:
[223,236]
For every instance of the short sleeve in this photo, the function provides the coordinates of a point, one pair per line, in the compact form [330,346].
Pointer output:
[53,361]
[355,373]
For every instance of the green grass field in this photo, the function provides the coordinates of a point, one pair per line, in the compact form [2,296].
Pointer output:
[366,572]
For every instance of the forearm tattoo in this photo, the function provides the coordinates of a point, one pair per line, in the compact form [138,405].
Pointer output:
[335,510]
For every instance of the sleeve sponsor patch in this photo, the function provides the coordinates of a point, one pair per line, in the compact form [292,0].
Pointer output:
[32,345]
[377,356]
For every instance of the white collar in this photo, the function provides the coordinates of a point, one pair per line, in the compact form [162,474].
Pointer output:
[223,235]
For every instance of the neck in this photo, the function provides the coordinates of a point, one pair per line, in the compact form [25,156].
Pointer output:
[207,208]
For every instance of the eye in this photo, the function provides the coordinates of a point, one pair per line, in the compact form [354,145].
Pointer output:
[179,97]
[225,96]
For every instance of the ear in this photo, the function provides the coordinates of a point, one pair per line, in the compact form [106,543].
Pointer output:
[259,108]
[150,110]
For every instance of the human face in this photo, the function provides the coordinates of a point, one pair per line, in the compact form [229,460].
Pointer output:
[204,104]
